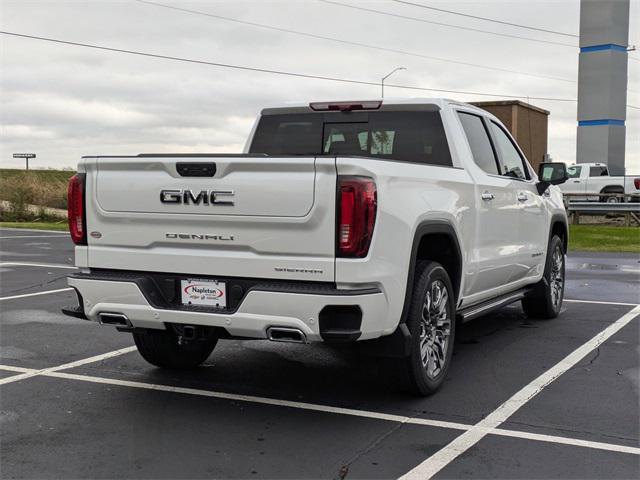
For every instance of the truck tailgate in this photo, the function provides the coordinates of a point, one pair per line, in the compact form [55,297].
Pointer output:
[256,217]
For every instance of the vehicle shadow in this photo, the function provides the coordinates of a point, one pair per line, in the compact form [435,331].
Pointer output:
[339,376]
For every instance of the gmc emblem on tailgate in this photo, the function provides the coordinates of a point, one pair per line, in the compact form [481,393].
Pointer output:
[205,197]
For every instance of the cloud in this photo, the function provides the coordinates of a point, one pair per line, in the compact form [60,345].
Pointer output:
[63,102]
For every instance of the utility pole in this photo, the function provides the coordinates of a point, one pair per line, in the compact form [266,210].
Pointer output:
[387,76]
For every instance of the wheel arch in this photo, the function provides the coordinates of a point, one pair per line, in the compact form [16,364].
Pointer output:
[435,240]
[612,189]
[559,227]
[398,344]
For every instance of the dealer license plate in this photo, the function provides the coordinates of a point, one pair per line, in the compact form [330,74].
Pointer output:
[210,293]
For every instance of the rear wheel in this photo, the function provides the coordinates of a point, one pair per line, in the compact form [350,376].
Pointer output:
[546,299]
[612,199]
[165,349]
[431,321]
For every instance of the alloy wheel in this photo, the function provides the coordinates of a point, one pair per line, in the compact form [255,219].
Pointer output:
[556,282]
[435,329]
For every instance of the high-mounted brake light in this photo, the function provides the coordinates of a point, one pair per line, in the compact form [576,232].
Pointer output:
[636,183]
[345,106]
[76,210]
[356,215]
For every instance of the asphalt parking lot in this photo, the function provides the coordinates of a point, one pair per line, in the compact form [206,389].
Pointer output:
[524,399]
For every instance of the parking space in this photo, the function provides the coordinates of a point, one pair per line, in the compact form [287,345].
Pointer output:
[35,246]
[263,410]
[492,360]
[605,381]
[509,458]
[167,435]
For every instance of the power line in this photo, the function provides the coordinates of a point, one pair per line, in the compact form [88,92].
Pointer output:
[460,27]
[352,43]
[275,72]
[487,19]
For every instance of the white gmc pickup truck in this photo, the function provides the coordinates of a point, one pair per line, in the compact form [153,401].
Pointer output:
[379,224]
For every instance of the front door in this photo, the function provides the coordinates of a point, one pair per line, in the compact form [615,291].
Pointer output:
[575,184]
[532,224]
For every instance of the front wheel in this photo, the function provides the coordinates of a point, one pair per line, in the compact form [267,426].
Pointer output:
[546,299]
[431,321]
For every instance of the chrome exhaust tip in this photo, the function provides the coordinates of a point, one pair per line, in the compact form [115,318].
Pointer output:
[286,334]
[117,319]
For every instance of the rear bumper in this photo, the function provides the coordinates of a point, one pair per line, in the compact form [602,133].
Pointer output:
[312,311]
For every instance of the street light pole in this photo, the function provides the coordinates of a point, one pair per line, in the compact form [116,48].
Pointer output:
[387,76]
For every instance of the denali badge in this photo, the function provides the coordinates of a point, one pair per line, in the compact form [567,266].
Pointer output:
[206,197]
[199,236]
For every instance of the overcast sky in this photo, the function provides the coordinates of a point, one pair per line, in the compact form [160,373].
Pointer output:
[62,102]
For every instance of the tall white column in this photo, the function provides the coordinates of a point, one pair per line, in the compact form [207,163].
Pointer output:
[602,82]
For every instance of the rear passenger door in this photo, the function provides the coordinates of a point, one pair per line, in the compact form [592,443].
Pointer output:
[496,245]
[532,224]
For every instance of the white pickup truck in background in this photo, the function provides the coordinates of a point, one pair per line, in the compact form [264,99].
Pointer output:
[593,180]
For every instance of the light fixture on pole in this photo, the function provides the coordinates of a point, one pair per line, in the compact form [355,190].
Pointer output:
[387,76]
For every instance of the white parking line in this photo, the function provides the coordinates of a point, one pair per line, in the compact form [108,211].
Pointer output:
[43,265]
[57,373]
[598,302]
[47,292]
[12,368]
[32,236]
[77,363]
[27,230]
[471,437]
[574,442]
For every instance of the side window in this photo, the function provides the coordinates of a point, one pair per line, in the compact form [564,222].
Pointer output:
[574,172]
[598,171]
[511,163]
[479,142]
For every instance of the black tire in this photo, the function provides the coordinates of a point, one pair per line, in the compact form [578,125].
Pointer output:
[608,199]
[161,348]
[414,375]
[545,301]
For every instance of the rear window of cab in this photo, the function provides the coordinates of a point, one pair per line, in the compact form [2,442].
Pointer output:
[416,137]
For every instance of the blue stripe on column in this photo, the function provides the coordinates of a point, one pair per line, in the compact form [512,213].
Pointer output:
[607,121]
[606,46]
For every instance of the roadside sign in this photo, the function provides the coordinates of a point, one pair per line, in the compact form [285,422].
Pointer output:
[26,156]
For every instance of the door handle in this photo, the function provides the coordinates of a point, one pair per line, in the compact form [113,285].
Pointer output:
[522,197]
[488,196]
[576,181]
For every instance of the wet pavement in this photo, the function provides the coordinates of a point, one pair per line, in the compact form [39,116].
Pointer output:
[257,409]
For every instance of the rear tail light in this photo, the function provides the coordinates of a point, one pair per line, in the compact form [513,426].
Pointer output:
[356,215]
[76,209]
[636,183]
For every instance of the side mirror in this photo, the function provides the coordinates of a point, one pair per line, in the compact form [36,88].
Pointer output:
[553,173]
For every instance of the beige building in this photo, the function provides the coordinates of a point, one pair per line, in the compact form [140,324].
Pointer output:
[527,123]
